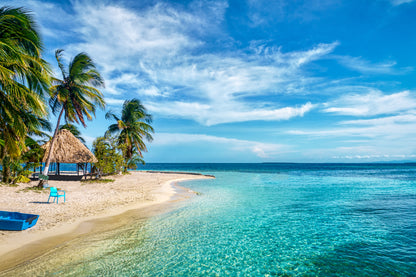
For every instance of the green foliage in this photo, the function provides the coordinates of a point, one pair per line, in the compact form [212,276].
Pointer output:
[109,155]
[24,79]
[97,181]
[21,179]
[75,95]
[132,163]
[132,129]
[43,177]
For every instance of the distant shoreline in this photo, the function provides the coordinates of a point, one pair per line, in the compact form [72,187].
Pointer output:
[179,172]
[277,163]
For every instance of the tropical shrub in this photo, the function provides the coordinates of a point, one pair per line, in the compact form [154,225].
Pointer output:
[109,155]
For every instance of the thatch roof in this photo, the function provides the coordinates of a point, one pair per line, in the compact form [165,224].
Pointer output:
[68,149]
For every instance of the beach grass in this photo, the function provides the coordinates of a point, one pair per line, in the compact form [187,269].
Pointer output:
[97,181]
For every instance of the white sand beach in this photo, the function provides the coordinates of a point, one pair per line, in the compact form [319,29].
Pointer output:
[84,202]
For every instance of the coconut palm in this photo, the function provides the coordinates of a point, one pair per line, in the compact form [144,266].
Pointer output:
[133,127]
[76,95]
[24,77]
[34,126]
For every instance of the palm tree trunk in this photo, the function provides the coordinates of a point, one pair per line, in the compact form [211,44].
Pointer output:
[5,165]
[48,160]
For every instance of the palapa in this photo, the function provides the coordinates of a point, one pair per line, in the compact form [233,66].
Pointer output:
[68,149]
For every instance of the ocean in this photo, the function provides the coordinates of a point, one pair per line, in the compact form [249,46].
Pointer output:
[264,220]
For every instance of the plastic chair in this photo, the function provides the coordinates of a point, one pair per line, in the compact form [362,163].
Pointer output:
[56,193]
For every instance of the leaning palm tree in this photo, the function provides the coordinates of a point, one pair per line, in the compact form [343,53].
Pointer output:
[133,127]
[24,77]
[76,95]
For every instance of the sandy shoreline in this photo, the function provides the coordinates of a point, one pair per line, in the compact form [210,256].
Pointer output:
[85,204]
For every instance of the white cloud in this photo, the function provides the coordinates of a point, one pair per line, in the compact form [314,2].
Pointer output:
[373,103]
[154,31]
[158,54]
[260,149]
[382,131]
[113,101]
[88,139]
[405,118]
[49,17]
[208,115]
[366,67]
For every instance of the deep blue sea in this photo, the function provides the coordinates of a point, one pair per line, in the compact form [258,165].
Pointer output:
[270,220]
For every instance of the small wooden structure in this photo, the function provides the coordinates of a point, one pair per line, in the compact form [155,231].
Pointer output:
[69,149]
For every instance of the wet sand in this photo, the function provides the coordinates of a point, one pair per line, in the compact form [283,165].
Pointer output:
[89,209]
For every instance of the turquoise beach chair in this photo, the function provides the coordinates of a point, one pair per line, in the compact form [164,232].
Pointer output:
[56,193]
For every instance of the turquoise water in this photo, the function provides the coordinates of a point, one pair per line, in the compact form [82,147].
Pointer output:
[270,220]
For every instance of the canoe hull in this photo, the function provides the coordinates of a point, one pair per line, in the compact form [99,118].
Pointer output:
[14,221]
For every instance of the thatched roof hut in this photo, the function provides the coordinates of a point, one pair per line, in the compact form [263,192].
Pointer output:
[68,149]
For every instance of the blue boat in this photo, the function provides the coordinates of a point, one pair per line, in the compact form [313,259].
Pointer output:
[14,221]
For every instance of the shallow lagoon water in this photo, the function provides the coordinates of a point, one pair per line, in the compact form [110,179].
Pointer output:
[264,220]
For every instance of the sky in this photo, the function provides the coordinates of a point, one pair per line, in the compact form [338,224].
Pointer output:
[250,80]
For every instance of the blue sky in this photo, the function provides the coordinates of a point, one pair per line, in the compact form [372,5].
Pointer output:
[251,81]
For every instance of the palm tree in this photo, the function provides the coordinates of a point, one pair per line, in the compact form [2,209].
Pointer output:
[133,127]
[24,77]
[74,130]
[34,125]
[75,95]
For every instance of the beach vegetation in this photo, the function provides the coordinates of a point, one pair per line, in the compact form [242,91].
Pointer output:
[24,80]
[134,161]
[97,181]
[132,128]
[34,189]
[109,155]
[26,87]
[76,95]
